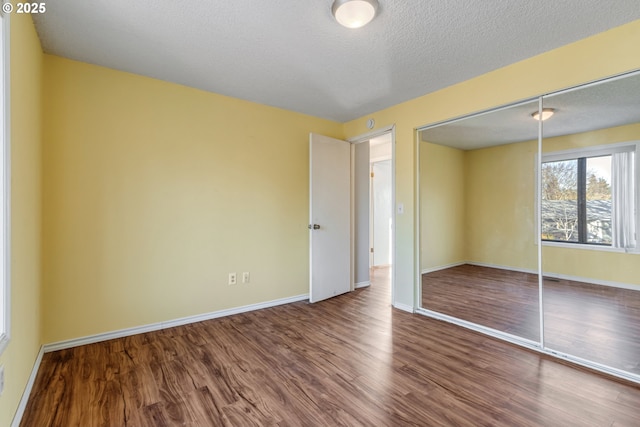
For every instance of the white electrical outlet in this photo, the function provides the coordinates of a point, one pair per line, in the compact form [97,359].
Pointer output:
[1,379]
[245,277]
[233,279]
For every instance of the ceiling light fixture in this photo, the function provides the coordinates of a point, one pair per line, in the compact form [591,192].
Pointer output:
[546,113]
[354,13]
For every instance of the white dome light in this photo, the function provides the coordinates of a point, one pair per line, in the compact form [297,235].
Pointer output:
[354,13]
[546,113]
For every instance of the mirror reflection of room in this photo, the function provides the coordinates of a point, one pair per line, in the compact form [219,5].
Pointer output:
[478,241]
[492,207]
[589,221]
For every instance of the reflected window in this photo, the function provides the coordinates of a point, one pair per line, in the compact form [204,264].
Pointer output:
[560,201]
[589,197]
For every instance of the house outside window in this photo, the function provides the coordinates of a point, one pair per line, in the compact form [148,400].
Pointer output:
[589,196]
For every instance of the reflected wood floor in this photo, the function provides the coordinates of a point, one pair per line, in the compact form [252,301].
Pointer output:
[352,360]
[595,322]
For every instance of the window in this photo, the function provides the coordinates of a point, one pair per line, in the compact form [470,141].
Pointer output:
[4,182]
[589,196]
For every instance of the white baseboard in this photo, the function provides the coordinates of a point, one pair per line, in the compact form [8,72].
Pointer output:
[403,307]
[362,284]
[443,267]
[479,264]
[17,418]
[60,345]
[545,274]
[502,267]
[592,281]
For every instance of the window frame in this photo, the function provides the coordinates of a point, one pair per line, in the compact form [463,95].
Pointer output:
[5,185]
[585,153]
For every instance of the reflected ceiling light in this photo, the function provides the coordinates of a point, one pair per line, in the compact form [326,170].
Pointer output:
[546,113]
[354,13]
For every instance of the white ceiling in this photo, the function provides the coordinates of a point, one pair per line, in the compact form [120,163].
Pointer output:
[292,54]
[610,103]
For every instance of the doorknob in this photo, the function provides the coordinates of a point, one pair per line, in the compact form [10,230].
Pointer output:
[314,227]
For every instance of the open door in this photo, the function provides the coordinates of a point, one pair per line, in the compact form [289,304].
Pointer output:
[329,217]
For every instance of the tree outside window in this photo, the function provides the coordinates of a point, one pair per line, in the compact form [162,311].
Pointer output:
[577,200]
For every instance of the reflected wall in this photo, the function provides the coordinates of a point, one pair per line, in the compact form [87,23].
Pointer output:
[503,197]
[478,240]
[589,217]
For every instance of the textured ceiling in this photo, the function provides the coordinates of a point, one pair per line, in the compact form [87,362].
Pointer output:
[610,103]
[292,54]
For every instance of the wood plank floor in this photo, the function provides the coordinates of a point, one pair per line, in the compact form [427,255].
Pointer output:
[349,361]
[598,323]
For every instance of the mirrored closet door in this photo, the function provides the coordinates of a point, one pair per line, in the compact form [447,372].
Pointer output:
[479,251]
[589,223]
[502,193]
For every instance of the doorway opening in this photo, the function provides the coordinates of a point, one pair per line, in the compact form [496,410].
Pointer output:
[381,206]
[373,210]
[370,202]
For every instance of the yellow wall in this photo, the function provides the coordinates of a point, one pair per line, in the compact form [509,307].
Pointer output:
[443,205]
[500,222]
[602,55]
[20,355]
[154,192]
[600,265]
[589,139]
[499,203]
[478,206]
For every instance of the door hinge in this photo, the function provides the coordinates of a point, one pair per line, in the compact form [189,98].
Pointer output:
[371,174]
[371,250]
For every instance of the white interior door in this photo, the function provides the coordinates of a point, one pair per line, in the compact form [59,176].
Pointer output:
[329,217]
